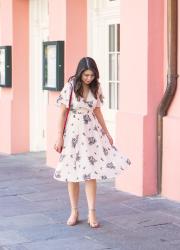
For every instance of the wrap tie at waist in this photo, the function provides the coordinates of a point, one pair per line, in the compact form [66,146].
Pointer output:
[81,111]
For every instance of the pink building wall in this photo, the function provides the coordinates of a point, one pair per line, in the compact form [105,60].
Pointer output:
[141,87]
[14,102]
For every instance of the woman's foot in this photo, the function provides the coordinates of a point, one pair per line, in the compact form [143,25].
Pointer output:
[92,218]
[73,219]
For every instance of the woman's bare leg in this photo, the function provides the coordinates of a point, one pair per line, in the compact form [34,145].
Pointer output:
[90,188]
[73,189]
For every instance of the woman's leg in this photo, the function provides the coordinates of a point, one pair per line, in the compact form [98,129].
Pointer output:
[90,188]
[73,189]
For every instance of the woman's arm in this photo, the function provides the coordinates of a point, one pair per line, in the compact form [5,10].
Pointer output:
[61,119]
[99,116]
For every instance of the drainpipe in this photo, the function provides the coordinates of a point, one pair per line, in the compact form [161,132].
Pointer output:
[172,36]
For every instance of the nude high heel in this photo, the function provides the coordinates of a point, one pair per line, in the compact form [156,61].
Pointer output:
[93,224]
[76,220]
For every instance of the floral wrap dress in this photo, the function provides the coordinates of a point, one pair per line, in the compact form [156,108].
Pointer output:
[86,153]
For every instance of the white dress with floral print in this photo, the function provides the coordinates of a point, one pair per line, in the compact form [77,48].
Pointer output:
[87,152]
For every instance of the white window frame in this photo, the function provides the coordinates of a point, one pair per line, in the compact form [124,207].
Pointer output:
[116,52]
[101,13]
[110,113]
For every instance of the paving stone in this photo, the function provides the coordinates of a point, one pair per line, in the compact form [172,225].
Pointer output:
[10,237]
[44,196]
[141,220]
[4,248]
[106,211]
[152,204]
[65,244]
[25,221]
[160,232]
[16,247]
[47,232]
[34,208]
[15,191]
[51,186]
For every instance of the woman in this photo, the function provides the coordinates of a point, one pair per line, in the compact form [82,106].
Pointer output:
[87,152]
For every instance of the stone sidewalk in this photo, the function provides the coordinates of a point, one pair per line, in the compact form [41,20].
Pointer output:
[34,208]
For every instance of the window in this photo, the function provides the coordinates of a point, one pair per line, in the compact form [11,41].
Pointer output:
[113,59]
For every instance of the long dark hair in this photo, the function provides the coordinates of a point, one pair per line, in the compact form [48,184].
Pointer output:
[84,64]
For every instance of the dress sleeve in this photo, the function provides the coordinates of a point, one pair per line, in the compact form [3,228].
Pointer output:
[100,97]
[64,95]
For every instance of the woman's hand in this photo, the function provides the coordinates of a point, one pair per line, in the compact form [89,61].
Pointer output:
[109,138]
[58,144]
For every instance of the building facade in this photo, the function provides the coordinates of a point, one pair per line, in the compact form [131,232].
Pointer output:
[127,39]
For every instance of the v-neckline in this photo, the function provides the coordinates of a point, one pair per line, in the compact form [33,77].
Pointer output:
[86,96]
